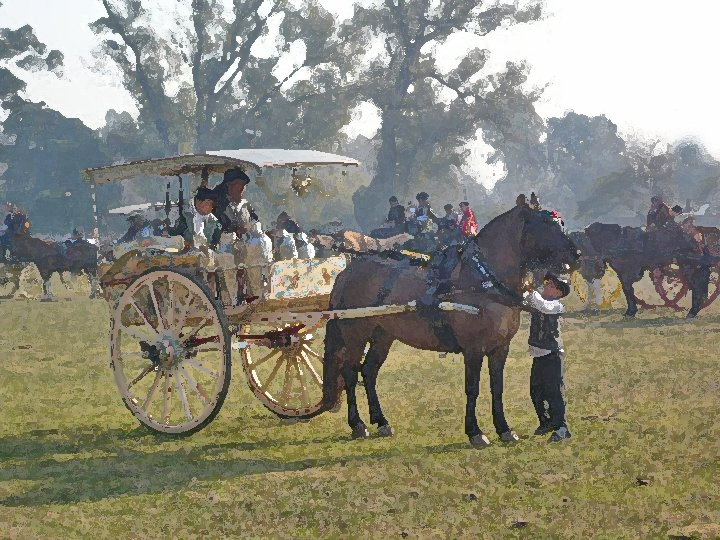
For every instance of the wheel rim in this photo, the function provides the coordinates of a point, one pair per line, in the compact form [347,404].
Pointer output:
[286,380]
[670,284]
[168,352]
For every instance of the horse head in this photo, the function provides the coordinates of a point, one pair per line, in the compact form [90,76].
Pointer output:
[545,247]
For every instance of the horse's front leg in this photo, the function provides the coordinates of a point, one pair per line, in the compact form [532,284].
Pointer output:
[473,363]
[496,363]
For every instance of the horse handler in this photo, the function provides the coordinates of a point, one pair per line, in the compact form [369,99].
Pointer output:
[547,382]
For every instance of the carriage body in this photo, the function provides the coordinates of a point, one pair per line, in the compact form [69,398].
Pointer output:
[174,328]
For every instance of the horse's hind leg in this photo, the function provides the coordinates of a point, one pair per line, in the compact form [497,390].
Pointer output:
[380,344]
[473,363]
[341,362]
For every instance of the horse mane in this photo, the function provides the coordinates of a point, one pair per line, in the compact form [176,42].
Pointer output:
[499,218]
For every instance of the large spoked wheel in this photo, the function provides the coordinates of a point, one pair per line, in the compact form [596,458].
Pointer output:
[170,350]
[286,380]
[672,286]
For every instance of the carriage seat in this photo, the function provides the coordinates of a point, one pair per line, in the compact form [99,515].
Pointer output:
[172,244]
[359,243]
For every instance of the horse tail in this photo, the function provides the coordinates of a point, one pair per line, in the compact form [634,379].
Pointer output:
[333,382]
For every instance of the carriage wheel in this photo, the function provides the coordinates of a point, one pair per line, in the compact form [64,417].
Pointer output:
[672,287]
[170,350]
[287,380]
[670,284]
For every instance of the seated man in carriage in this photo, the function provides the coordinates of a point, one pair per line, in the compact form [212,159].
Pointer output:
[231,222]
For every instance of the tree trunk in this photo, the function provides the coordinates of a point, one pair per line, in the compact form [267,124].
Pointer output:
[370,203]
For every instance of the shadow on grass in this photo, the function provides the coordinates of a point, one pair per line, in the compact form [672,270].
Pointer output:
[52,479]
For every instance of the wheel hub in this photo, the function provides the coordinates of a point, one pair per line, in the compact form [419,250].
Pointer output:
[170,352]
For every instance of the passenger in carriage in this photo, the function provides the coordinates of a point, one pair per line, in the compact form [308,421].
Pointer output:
[238,219]
[137,224]
[293,243]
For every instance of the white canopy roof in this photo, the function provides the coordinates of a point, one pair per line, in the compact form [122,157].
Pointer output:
[216,162]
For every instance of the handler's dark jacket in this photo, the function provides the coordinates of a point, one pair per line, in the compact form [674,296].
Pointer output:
[545,323]
[545,332]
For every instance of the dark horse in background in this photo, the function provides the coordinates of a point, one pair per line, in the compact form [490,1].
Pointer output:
[51,257]
[519,241]
[630,251]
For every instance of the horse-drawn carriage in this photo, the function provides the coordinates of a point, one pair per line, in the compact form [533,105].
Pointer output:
[172,335]
[670,282]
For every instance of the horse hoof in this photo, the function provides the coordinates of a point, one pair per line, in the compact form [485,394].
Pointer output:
[386,431]
[360,432]
[509,436]
[691,315]
[479,441]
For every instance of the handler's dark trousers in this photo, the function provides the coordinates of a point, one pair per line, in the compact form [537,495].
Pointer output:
[547,384]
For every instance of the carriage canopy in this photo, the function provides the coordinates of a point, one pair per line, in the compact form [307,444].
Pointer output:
[216,162]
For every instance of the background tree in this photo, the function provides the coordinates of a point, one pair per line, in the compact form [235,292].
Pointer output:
[427,115]
[208,83]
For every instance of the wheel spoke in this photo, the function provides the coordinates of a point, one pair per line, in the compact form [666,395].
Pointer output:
[302,378]
[145,319]
[314,373]
[141,375]
[137,334]
[152,391]
[273,353]
[275,370]
[287,385]
[203,324]
[194,386]
[182,318]
[156,306]
[171,307]
[202,368]
[310,351]
[183,396]
[168,392]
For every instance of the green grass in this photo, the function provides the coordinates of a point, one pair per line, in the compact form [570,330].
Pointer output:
[643,402]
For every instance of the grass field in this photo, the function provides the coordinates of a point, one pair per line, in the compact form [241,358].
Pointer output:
[643,402]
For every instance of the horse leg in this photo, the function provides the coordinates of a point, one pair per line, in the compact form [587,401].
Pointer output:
[597,294]
[380,344]
[473,363]
[496,363]
[626,280]
[699,281]
[350,376]
[92,276]
[47,295]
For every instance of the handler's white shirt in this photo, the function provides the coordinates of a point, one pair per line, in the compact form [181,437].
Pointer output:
[549,307]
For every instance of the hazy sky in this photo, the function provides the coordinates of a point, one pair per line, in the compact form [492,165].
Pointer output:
[645,64]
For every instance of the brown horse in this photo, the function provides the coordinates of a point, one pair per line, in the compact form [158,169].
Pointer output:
[52,257]
[512,244]
[630,252]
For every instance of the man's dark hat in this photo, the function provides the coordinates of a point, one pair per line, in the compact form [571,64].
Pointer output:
[563,287]
[677,209]
[283,215]
[205,194]
[235,174]
[422,196]
[393,199]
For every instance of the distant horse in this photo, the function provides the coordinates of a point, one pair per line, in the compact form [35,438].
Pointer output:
[630,251]
[51,257]
[515,243]
[592,268]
